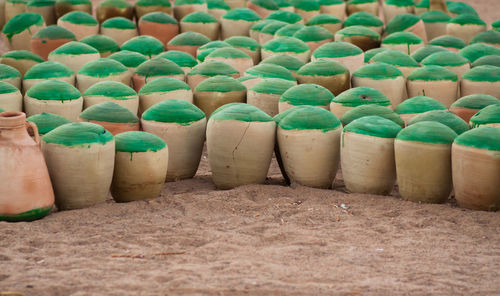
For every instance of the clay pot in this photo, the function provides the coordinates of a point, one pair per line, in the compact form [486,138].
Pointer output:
[48,71]
[411,107]
[426,51]
[488,116]
[467,106]
[465,27]
[240,143]
[113,117]
[188,42]
[288,62]
[489,37]
[80,157]
[82,24]
[162,89]
[442,116]
[365,19]
[475,164]
[305,94]
[434,81]
[448,42]
[141,164]
[182,126]
[201,22]
[266,94]
[22,60]
[307,8]
[314,36]
[143,7]
[111,91]
[156,68]
[367,155]
[357,96]
[74,55]
[266,33]
[18,31]
[209,69]
[481,80]
[119,29]
[182,59]
[247,45]
[103,69]
[405,42]
[263,71]
[327,21]
[450,60]
[217,91]
[370,6]
[217,8]
[185,7]
[371,110]
[10,75]
[347,54]
[11,98]
[63,7]
[402,61]
[129,59]
[360,36]
[478,50]
[407,23]
[145,45]
[435,23]
[334,8]
[159,25]
[233,57]
[286,45]
[105,45]
[46,122]
[237,22]
[43,7]
[114,8]
[392,8]
[50,38]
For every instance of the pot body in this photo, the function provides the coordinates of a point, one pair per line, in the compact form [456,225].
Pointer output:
[80,31]
[466,32]
[115,128]
[230,28]
[83,82]
[68,109]
[21,41]
[208,102]
[120,36]
[469,87]
[392,88]
[44,46]
[337,10]
[74,62]
[443,91]
[29,83]
[265,102]
[148,100]
[11,101]
[162,32]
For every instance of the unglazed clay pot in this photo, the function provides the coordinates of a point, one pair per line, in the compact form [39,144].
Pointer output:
[182,59]
[114,8]
[162,89]
[185,7]
[111,91]
[392,8]
[434,81]
[240,142]
[188,42]
[411,107]
[105,45]
[475,163]
[64,6]
[25,189]
[141,163]
[309,144]
[18,31]
[336,8]
[209,69]
[467,106]
[435,23]
[370,6]
[465,27]
[11,75]
[80,157]
[407,22]
[145,45]
[217,91]
[371,110]
[182,126]
[286,45]
[266,94]
[201,22]
[305,94]
[48,71]
[113,117]
[46,122]
[233,57]
[159,25]
[367,155]
[74,55]
[247,45]
[11,98]
[22,60]
[48,39]
[82,24]
[481,80]
[349,55]
[488,116]
[119,29]
[103,69]
[263,71]
[154,69]
[423,162]
[143,7]
[327,21]
[357,96]
[237,22]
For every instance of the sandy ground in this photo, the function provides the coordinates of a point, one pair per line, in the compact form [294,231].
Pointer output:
[256,240]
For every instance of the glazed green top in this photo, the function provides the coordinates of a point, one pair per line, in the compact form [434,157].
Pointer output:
[401,22]
[374,126]
[475,101]
[310,118]
[213,68]
[22,55]
[46,122]
[158,67]
[79,18]
[400,3]
[368,110]
[288,30]
[54,32]
[240,112]
[181,58]
[484,137]
[273,26]
[189,38]
[175,111]
[40,3]
[135,141]
[220,83]
[129,59]
[483,73]
[460,8]
[283,3]
[109,112]
[146,45]
[336,49]
[491,60]
[428,132]
[358,96]
[163,84]
[286,44]
[435,16]
[158,17]
[7,88]
[228,53]
[443,116]
[313,33]
[199,17]
[433,73]
[289,62]
[103,67]
[243,42]
[275,86]
[378,71]
[204,50]
[53,90]
[419,104]
[322,19]
[164,3]
[448,41]
[331,2]
[363,18]
[111,89]
[446,59]
[426,51]
[217,4]
[120,23]
[402,38]
[102,43]
[467,19]
[267,4]
[478,50]
[307,94]
[358,31]
[489,37]
[78,134]
[22,22]
[48,70]
[369,54]
[188,2]
[74,48]
[8,72]
[322,68]
[18,1]
[423,4]
[2,110]
[285,16]
[243,14]
[306,5]
[270,71]
[115,3]
[487,115]
[496,25]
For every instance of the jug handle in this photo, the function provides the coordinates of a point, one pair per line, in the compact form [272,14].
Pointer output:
[33,126]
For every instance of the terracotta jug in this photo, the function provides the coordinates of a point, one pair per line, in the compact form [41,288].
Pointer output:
[25,190]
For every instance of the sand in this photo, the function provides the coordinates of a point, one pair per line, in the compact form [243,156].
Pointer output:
[256,240]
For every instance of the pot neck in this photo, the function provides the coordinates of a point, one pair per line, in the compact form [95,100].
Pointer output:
[12,120]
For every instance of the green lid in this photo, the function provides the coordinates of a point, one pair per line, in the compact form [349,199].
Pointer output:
[374,126]
[174,111]
[264,70]
[213,68]
[111,89]
[146,45]
[54,32]
[445,59]
[289,62]
[310,118]
[307,94]
[22,22]
[188,2]
[419,104]
[129,59]
[363,18]
[369,110]
[323,19]
[109,112]
[336,49]
[79,18]
[53,90]
[271,27]
[488,115]
[400,3]
[378,71]
[448,41]
[74,48]
[158,67]
[217,4]
[435,16]
[460,8]
[78,134]
[322,68]
[467,19]
[402,38]
[220,84]
[478,50]
[146,3]
[358,96]
[426,51]
[158,17]
[475,101]
[306,5]
[8,72]
[313,33]
[228,53]
[488,37]
[240,112]
[433,73]
[369,54]
[7,88]
[285,45]
[275,86]
[135,141]
[243,42]
[120,23]
[242,14]
[490,60]
[428,132]
[358,31]
[181,58]
[102,43]
[443,116]
[267,4]
[401,22]
[102,67]
[115,3]
[40,3]
[199,17]
[285,16]
[484,137]
[22,55]
[163,84]
[46,122]
[190,39]
[483,73]
[204,50]
[288,30]
[47,70]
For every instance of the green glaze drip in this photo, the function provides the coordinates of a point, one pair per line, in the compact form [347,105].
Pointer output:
[22,55]
[79,18]
[445,59]
[46,122]
[135,141]
[54,32]
[426,51]
[158,17]
[483,73]
[274,86]
[306,5]
[243,42]
[358,96]
[240,112]
[199,17]
[158,67]
[374,126]
[115,3]
[322,68]
[433,73]
[102,43]
[488,37]
[401,22]
[487,115]
[7,88]
[419,104]
[400,3]
[8,72]
[120,23]
[78,134]
[323,19]
[369,54]
[189,2]
[146,45]
[336,49]
[189,38]
[359,31]
[363,18]
[310,118]
[443,116]
[269,5]
[476,101]
[21,22]
[220,84]
[40,3]
[163,84]
[331,2]
[307,94]
[478,50]
[402,38]
[129,59]
[460,8]
[213,68]
[181,58]
[272,27]
[103,67]
[369,110]
[435,16]
[47,70]
[27,216]
[217,4]
[467,19]
[313,33]
[174,111]
[264,70]
[228,53]
[149,3]
[484,137]
[74,48]
[243,14]
[53,90]
[111,89]
[448,41]
[490,60]
[109,112]
[428,132]
[285,45]
[288,30]
[289,62]
[285,16]
[378,71]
